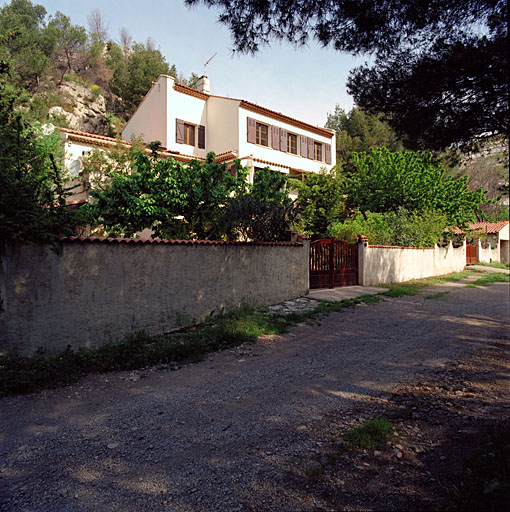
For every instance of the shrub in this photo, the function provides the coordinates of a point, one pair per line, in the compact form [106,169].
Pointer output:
[403,228]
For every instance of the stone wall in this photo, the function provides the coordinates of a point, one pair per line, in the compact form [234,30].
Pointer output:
[92,290]
[388,264]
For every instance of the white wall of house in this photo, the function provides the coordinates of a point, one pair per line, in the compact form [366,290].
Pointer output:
[150,119]
[74,152]
[281,158]
[222,125]
[189,109]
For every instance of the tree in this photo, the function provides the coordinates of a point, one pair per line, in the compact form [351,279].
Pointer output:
[70,42]
[358,131]
[172,199]
[134,72]
[98,27]
[321,202]
[25,42]
[32,193]
[261,212]
[385,181]
[439,71]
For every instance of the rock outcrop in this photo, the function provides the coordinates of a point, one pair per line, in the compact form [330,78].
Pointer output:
[82,108]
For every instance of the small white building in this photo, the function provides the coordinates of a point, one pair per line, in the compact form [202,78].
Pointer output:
[194,122]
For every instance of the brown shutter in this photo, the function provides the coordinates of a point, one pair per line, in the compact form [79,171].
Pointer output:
[310,148]
[252,130]
[179,131]
[327,151]
[304,145]
[201,136]
[283,140]
[275,137]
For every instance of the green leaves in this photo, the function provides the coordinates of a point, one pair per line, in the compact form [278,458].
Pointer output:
[383,181]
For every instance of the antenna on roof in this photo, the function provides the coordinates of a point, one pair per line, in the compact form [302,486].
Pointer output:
[206,62]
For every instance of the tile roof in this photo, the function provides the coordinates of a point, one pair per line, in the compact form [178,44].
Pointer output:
[253,107]
[98,239]
[489,227]
[103,140]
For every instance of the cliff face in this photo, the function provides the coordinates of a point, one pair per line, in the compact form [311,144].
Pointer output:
[82,108]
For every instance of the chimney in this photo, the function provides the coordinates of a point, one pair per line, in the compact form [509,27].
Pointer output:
[203,85]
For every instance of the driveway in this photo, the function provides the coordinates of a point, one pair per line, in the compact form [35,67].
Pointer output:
[227,433]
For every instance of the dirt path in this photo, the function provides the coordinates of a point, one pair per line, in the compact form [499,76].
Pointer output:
[238,430]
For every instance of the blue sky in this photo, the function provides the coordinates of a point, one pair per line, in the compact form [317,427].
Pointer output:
[303,83]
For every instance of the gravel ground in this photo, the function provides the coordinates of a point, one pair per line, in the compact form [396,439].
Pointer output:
[236,431]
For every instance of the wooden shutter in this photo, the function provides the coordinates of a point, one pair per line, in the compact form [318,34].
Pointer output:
[327,152]
[252,130]
[310,148]
[179,131]
[275,137]
[283,140]
[304,145]
[201,136]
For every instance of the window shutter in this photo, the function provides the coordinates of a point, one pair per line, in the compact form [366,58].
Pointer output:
[275,137]
[304,145]
[179,131]
[310,148]
[327,151]
[252,130]
[201,136]
[283,139]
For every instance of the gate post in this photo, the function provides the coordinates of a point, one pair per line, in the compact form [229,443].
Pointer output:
[362,248]
[331,262]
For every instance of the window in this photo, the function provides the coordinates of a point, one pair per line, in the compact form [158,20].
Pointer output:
[262,134]
[292,143]
[189,134]
[317,151]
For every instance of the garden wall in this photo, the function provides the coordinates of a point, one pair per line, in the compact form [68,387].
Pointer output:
[388,264]
[94,290]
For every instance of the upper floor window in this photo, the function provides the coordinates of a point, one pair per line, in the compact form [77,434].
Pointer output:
[262,136]
[317,151]
[292,143]
[189,134]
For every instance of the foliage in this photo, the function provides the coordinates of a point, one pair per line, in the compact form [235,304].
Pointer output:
[433,63]
[24,41]
[371,435]
[134,72]
[262,211]
[321,202]
[172,199]
[402,228]
[385,181]
[358,131]
[32,194]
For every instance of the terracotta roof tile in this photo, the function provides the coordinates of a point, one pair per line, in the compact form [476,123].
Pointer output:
[489,227]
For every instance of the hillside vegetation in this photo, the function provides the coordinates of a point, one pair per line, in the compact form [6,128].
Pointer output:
[78,77]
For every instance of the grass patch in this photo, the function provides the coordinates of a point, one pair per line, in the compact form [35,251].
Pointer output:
[416,286]
[440,295]
[496,264]
[490,278]
[371,435]
[20,374]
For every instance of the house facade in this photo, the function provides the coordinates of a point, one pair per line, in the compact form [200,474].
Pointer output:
[191,123]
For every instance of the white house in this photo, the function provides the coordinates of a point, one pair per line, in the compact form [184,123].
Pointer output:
[194,122]
[190,123]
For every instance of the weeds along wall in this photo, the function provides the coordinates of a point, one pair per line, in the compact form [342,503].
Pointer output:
[93,291]
[380,264]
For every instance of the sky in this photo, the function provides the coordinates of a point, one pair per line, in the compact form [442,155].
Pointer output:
[303,83]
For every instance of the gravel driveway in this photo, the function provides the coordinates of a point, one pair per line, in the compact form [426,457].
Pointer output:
[225,434]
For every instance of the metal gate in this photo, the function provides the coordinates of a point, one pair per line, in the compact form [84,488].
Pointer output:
[471,254]
[333,263]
